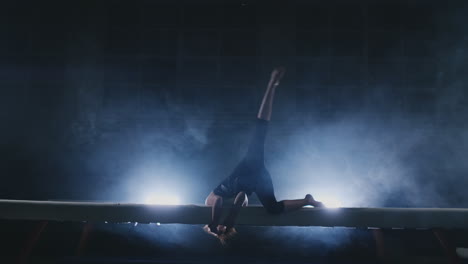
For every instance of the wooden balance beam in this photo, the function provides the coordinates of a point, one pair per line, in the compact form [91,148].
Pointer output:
[420,218]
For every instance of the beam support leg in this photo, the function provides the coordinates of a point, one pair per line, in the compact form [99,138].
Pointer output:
[449,249]
[84,237]
[379,243]
[31,242]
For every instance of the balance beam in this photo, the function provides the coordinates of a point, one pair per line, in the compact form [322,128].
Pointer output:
[419,218]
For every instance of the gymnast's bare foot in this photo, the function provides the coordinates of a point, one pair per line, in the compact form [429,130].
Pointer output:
[276,75]
[311,201]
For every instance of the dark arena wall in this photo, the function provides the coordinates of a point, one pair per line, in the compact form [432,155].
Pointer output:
[154,102]
[112,100]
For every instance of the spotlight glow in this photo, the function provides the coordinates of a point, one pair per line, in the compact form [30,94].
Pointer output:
[162,199]
[331,202]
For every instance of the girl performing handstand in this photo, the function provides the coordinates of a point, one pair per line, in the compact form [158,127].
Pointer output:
[251,175]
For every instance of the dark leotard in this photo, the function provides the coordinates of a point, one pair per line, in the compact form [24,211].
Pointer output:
[251,175]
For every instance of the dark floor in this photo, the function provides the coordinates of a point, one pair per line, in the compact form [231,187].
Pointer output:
[150,243]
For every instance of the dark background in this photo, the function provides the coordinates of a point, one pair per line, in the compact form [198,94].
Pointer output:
[116,100]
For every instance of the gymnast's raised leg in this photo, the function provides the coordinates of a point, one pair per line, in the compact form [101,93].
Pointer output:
[264,188]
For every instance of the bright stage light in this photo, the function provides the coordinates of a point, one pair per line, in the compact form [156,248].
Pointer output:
[162,199]
[331,202]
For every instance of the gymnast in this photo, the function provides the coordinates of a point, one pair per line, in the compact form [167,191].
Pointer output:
[251,175]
